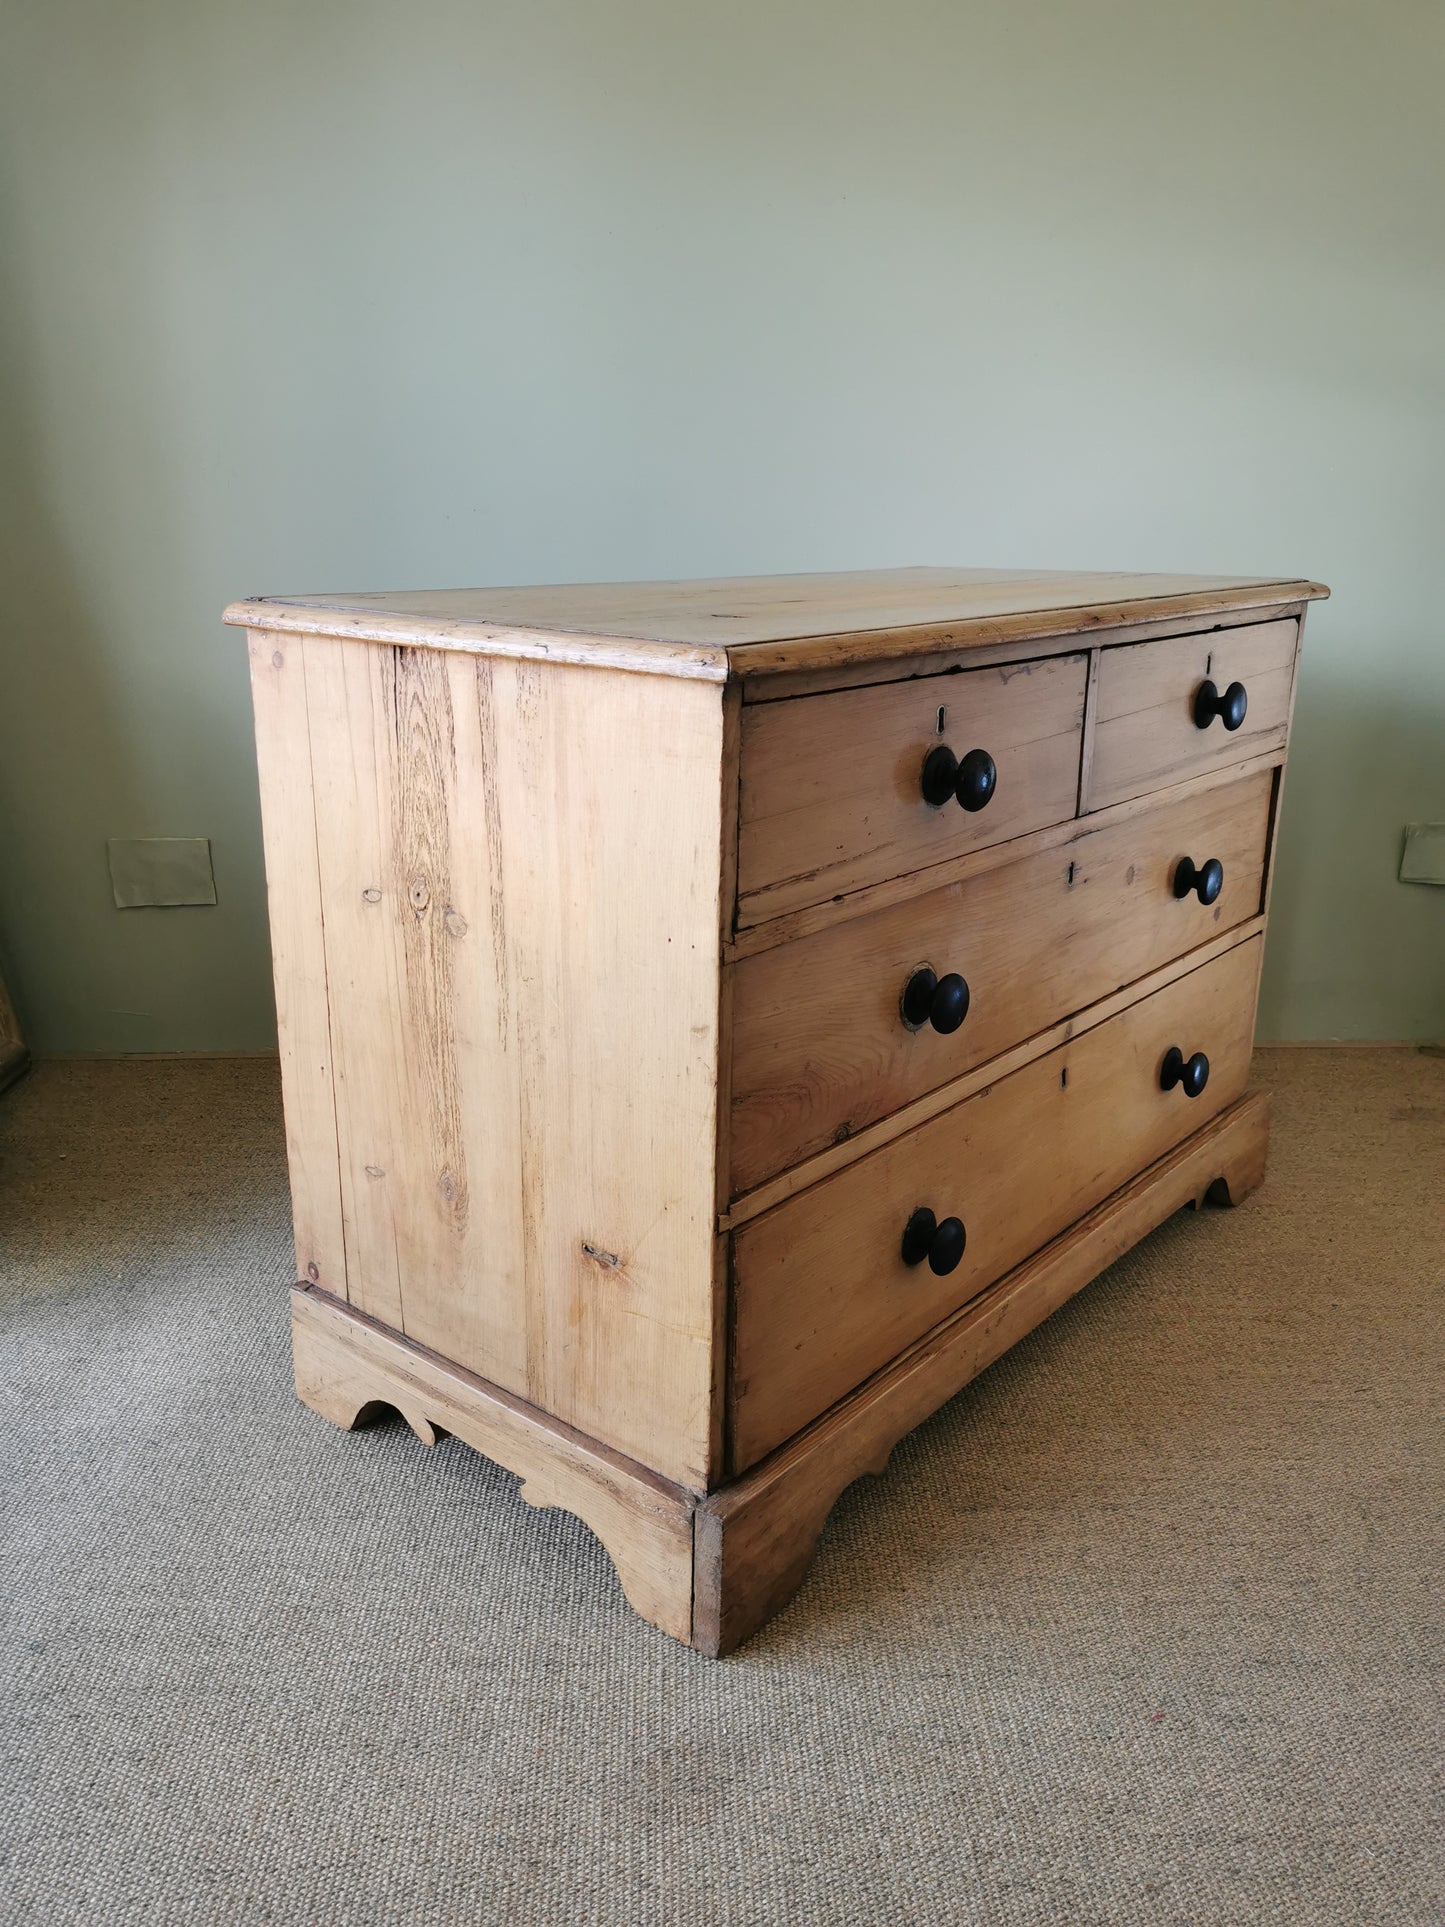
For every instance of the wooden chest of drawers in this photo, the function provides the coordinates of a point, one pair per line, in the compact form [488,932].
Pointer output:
[718,1018]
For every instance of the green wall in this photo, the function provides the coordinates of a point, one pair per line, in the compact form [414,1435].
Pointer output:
[308,296]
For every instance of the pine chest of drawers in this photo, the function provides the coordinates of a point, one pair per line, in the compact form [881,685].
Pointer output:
[718,1018]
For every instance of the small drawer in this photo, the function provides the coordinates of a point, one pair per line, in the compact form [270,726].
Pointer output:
[822,1293]
[1156,723]
[821,1044]
[832,788]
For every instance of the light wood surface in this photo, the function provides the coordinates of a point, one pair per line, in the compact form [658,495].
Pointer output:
[822,1295]
[831,798]
[519,894]
[345,1363]
[298,955]
[944,1097]
[1146,735]
[1277,801]
[756,1537]
[407,833]
[820,1049]
[913,884]
[1006,639]
[592,910]
[765,625]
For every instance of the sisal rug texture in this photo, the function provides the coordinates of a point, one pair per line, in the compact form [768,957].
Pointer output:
[1144,1627]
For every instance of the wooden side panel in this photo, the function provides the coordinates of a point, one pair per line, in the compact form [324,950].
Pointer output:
[288,822]
[820,1049]
[351,804]
[1146,736]
[520,880]
[823,1297]
[830,784]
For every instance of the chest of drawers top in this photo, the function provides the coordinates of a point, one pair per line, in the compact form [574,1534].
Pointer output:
[757,628]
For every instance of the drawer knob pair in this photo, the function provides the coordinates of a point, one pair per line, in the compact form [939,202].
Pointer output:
[1206,880]
[940,1001]
[971,783]
[941,1244]
[1229,708]
[1191,1074]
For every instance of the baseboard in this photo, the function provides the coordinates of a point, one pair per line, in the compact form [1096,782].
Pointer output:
[156,1056]
[1347,1043]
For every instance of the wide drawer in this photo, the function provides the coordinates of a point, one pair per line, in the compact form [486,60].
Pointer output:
[822,1295]
[831,787]
[1152,728]
[821,1046]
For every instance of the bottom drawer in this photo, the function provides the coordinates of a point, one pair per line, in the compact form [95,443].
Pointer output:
[822,1294]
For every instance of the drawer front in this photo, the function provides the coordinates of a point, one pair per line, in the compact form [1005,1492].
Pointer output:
[823,1297]
[831,794]
[1146,735]
[821,1047]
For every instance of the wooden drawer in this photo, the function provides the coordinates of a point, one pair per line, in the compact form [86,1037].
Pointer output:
[1146,736]
[820,1045]
[822,1295]
[831,795]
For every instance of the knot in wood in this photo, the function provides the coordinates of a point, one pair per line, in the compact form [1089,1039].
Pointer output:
[419,894]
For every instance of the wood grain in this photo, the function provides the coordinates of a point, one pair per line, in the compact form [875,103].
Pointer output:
[519,884]
[755,1538]
[830,785]
[873,1137]
[767,625]
[1023,638]
[910,885]
[298,954]
[345,1363]
[1146,734]
[820,1050]
[1277,798]
[822,1295]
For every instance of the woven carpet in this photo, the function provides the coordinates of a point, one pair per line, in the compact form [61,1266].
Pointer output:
[1144,1627]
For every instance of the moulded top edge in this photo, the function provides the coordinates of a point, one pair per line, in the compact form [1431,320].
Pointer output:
[766,624]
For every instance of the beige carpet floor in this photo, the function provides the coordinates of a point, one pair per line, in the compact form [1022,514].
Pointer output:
[1144,1627]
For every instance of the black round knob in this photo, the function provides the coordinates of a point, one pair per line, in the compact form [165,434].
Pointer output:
[971,783]
[1190,1074]
[977,780]
[941,1244]
[940,773]
[1206,880]
[1230,707]
[940,1001]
